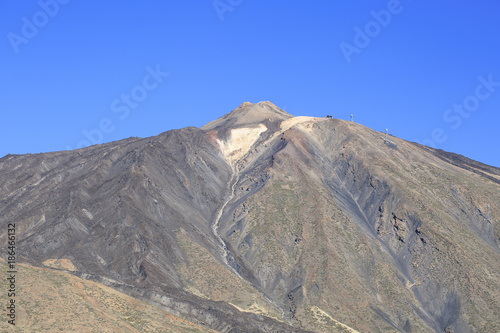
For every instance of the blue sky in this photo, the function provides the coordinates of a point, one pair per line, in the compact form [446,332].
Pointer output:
[75,72]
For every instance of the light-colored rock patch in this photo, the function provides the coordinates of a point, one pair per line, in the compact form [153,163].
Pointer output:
[89,214]
[286,124]
[322,315]
[64,264]
[240,141]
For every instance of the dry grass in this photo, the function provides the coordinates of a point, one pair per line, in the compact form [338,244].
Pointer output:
[56,301]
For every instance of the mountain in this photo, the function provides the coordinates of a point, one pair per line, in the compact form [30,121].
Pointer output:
[264,222]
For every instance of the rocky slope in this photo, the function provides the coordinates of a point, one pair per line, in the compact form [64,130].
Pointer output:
[260,221]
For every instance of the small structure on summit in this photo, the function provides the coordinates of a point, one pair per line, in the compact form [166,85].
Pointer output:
[388,142]
[351,118]
[329,116]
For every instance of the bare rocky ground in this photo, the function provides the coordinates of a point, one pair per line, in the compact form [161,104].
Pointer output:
[264,222]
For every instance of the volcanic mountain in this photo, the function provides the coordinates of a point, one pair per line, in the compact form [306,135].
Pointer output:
[264,222]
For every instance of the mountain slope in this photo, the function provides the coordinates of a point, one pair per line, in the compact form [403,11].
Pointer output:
[317,223]
[391,233]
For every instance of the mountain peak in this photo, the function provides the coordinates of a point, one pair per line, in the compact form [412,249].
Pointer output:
[248,114]
[252,107]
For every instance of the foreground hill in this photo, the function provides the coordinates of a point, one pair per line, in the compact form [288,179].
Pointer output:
[55,301]
[260,221]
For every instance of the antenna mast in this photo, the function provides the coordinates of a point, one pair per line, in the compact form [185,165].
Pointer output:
[386,133]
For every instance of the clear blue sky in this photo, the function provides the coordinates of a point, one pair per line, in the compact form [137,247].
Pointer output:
[429,71]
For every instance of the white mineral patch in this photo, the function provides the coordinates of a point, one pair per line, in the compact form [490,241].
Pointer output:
[240,141]
[286,124]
